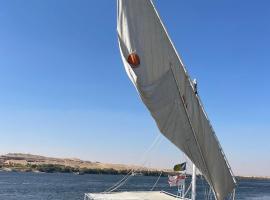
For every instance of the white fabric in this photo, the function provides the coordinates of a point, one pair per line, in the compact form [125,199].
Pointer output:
[168,93]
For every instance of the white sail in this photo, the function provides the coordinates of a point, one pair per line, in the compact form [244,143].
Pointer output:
[164,86]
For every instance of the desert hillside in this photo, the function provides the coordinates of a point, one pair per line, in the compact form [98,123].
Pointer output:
[35,163]
[28,162]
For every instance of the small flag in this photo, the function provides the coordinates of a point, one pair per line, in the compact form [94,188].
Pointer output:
[180,167]
[176,180]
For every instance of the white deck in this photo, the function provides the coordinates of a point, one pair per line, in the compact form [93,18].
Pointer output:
[151,195]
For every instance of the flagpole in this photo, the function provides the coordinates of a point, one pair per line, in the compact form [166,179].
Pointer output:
[234,194]
[183,189]
[193,193]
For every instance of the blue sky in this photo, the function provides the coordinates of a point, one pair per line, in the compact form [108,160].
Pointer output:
[64,91]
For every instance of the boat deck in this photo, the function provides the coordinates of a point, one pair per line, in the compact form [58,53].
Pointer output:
[151,195]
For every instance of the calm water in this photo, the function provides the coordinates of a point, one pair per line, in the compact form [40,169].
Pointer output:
[32,186]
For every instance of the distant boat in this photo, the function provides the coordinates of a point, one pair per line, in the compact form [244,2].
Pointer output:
[157,72]
[136,174]
[79,173]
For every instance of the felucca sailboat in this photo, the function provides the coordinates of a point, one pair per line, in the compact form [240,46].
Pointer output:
[157,72]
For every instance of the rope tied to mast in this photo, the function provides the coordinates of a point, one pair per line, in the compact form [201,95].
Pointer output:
[143,159]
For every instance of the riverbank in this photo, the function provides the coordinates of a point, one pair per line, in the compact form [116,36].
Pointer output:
[17,162]
[34,163]
[52,168]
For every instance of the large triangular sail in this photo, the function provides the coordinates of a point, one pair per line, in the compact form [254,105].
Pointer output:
[156,70]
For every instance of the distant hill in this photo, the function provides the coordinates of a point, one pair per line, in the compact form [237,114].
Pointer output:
[36,163]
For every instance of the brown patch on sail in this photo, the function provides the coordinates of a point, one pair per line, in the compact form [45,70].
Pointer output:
[134,60]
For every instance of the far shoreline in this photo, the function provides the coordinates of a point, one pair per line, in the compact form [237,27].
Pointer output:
[51,168]
[109,172]
[18,162]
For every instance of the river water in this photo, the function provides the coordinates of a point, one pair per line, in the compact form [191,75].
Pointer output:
[57,186]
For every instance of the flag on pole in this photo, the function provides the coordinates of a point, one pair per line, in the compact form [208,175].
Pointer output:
[176,180]
[180,167]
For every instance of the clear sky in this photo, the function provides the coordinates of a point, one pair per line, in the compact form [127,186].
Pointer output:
[64,91]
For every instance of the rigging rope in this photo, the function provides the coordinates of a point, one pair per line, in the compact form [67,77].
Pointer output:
[187,190]
[156,182]
[117,183]
[129,174]
[120,184]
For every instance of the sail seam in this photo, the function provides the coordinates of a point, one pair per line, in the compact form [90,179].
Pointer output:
[194,134]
